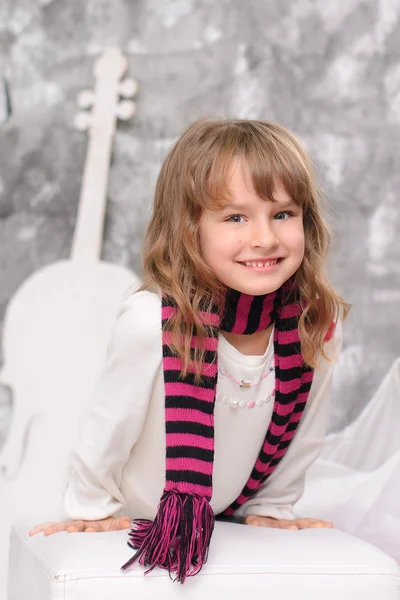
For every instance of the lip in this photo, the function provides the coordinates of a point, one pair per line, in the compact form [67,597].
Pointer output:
[262,259]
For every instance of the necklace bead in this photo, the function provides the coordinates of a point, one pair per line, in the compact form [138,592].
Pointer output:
[244,384]
[242,403]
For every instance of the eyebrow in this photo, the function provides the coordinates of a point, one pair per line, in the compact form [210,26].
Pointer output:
[241,206]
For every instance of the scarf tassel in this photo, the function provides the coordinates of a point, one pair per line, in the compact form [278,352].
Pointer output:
[179,537]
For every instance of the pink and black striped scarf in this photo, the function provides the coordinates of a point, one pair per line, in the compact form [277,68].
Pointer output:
[178,539]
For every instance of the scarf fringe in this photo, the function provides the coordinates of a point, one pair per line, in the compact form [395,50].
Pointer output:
[178,539]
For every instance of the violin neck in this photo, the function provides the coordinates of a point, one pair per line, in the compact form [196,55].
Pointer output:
[88,235]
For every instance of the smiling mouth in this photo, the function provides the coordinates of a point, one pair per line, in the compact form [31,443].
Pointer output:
[268,263]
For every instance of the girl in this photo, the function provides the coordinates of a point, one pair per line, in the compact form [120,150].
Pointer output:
[215,394]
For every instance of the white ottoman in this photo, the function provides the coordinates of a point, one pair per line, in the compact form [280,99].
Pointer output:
[244,562]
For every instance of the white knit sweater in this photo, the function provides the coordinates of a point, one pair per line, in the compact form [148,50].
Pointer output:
[118,464]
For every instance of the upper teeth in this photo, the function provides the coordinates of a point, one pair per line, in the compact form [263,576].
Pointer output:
[261,264]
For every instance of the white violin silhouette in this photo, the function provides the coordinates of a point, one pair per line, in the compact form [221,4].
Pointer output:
[58,323]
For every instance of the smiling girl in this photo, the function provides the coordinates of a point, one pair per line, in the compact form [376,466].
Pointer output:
[214,398]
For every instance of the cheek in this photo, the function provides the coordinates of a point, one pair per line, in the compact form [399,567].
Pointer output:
[299,242]
[211,244]
[296,239]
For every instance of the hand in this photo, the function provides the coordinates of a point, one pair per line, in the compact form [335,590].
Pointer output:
[286,523]
[108,524]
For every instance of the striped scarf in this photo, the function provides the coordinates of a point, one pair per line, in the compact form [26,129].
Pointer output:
[178,539]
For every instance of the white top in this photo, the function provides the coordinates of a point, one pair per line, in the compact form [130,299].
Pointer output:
[117,466]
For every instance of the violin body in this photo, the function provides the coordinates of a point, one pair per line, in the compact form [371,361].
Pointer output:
[57,328]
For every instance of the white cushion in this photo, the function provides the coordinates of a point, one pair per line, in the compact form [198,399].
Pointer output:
[306,564]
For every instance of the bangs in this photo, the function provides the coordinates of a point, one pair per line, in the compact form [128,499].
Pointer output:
[269,160]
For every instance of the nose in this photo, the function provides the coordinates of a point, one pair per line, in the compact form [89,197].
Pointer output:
[263,235]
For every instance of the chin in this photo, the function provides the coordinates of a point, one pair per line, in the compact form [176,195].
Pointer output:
[257,290]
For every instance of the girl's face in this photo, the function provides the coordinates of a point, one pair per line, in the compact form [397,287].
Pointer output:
[251,229]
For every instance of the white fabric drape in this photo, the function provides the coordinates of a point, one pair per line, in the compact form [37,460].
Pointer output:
[356,480]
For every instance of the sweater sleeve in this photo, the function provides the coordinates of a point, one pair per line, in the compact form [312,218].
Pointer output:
[285,486]
[115,415]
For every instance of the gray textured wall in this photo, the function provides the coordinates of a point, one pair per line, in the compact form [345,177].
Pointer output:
[328,70]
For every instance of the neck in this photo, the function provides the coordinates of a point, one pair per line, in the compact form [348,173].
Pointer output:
[254,344]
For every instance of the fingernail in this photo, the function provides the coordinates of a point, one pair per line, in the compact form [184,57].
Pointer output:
[256,523]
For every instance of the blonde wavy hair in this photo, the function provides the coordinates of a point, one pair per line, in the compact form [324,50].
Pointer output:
[193,178]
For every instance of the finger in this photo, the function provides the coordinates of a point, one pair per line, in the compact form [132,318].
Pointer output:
[92,529]
[40,527]
[274,523]
[126,523]
[322,523]
[253,520]
[279,523]
[312,523]
[305,523]
[287,524]
[75,527]
[123,522]
[267,522]
[325,523]
[64,526]
[54,528]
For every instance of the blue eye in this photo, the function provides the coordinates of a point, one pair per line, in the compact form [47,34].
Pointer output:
[231,216]
[285,212]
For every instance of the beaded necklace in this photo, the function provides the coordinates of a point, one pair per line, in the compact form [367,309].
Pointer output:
[244,383]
